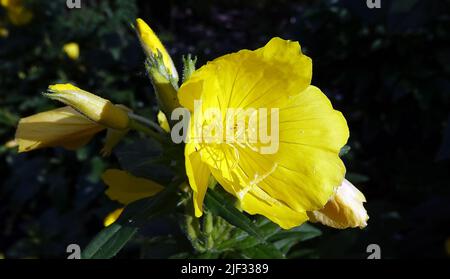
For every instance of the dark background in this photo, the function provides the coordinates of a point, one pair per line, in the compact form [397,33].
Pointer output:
[386,69]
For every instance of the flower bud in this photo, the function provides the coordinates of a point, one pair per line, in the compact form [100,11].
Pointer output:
[152,46]
[163,122]
[165,92]
[95,108]
[63,127]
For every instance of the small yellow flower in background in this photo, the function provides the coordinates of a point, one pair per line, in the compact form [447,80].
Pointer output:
[305,171]
[344,210]
[4,33]
[126,188]
[112,217]
[72,50]
[151,45]
[11,144]
[63,127]
[162,121]
[99,110]
[17,13]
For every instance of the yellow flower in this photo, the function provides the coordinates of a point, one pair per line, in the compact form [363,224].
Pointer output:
[305,170]
[163,123]
[126,188]
[112,217]
[344,210]
[4,33]
[151,45]
[63,127]
[11,144]
[97,109]
[72,50]
[17,13]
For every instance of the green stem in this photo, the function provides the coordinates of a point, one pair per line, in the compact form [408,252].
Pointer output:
[143,125]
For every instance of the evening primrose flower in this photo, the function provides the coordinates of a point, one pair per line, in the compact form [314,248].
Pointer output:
[61,127]
[304,172]
[344,210]
[97,109]
[72,50]
[152,46]
[126,188]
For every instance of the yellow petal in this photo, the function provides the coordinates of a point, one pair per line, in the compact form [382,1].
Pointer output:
[151,44]
[344,210]
[59,127]
[198,174]
[112,217]
[97,109]
[72,50]
[126,188]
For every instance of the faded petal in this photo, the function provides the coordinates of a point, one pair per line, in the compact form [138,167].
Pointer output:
[344,210]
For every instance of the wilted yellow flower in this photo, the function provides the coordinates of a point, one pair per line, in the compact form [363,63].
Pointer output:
[17,13]
[97,109]
[305,170]
[112,217]
[72,50]
[126,188]
[162,121]
[344,210]
[151,45]
[63,127]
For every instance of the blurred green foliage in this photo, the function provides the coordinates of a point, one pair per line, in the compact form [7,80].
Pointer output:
[386,69]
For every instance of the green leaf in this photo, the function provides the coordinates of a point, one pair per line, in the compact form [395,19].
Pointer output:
[263,251]
[285,240]
[114,237]
[219,205]
[243,240]
[109,242]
